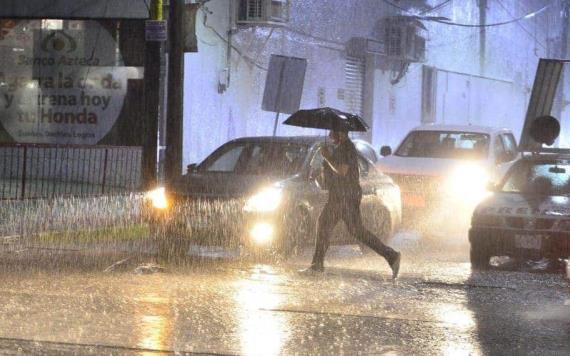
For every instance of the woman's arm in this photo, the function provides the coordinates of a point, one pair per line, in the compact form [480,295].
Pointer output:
[340,169]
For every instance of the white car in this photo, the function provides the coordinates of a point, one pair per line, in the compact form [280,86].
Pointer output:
[443,171]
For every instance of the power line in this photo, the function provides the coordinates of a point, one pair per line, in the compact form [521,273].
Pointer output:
[238,51]
[306,34]
[525,17]
[520,25]
[395,6]
[436,7]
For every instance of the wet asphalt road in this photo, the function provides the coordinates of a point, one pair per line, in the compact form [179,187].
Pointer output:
[62,302]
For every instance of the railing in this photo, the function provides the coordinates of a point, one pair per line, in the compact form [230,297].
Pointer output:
[29,171]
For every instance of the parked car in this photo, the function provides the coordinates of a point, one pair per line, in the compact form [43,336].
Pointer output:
[443,170]
[367,150]
[262,194]
[528,216]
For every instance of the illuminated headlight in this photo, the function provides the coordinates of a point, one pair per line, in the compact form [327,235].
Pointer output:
[468,183]
[157,197]
[262,233]
[264,201]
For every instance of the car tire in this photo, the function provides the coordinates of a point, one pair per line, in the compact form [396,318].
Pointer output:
[298,229]
[479,256]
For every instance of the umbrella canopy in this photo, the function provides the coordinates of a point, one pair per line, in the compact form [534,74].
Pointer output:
[328,119]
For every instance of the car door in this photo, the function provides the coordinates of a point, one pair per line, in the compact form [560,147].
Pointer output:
[313,194]
[371,205]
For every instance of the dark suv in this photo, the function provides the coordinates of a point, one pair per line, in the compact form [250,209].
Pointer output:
[259,194]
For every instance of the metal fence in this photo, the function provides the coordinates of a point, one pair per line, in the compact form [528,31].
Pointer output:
[29,171]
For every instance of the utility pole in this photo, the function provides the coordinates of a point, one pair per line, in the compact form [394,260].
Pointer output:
[482,35]
[174,120]
[152,80]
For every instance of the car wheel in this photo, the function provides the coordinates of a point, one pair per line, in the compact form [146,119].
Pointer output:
[479,256]
[298,229]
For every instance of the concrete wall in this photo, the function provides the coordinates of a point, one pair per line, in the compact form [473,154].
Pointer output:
[318,32]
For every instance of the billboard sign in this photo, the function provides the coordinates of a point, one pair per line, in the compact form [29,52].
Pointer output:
[57,85]
[284,84]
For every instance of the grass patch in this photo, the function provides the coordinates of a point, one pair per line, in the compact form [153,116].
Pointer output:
[110,234]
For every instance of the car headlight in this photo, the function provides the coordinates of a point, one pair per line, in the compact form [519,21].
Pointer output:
[157,197]
[262,233]
[264,201]
[468,182]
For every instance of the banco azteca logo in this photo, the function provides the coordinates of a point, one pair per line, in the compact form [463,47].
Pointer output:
[59,41]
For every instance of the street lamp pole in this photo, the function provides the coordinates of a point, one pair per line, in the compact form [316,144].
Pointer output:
[174,120]
[152,80]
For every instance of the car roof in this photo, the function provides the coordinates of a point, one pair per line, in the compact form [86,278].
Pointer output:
[295,139]
[283,139]
[463,128]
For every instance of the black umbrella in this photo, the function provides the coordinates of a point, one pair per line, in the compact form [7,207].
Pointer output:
[328,119]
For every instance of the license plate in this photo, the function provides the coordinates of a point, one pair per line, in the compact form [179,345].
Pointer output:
[413,200]
[528,242]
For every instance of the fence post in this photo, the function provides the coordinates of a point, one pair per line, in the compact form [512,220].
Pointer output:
[23,196]
[104,170]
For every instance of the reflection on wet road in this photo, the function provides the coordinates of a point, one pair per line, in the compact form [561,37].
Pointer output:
[231,307]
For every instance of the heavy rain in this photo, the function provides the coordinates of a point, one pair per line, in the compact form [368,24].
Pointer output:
[199,212]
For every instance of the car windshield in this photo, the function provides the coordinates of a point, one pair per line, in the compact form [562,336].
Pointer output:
[442,144]
[257,158]
[540,178]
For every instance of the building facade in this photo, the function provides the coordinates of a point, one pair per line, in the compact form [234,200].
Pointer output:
[468,74]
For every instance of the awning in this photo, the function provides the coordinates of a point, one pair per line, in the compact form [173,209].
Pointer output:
[75,9]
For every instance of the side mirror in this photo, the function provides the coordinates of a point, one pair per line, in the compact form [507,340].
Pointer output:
[191,168]
[385,151]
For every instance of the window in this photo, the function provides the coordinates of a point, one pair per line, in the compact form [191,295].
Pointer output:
[226,161]
[429,89]
[278,159]
[510,146]
[541,178]
[444,144]
[354,72]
